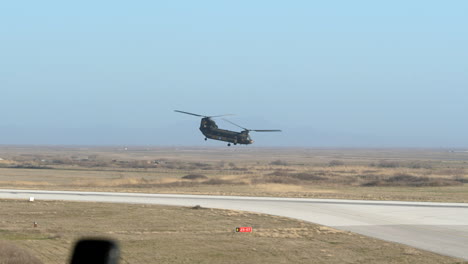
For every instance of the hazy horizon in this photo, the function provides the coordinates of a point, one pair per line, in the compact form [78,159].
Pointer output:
[337,74]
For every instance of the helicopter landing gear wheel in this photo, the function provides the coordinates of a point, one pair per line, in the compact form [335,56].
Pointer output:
[206,139]
[229,144]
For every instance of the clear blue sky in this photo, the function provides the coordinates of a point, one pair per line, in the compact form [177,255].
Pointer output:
[328,73]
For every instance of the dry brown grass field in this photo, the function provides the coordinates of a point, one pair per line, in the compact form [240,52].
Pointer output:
[161,234]
[374,174]
[164,234]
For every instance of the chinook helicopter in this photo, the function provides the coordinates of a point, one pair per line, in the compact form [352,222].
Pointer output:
[210,130]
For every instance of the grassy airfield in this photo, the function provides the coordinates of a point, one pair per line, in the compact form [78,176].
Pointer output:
[161,234]
[387,174]
[164,234]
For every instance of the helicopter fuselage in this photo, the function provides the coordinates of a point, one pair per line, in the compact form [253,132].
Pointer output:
[210,130]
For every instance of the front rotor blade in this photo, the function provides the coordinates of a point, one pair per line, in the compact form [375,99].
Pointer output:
[221,115]
[188,113]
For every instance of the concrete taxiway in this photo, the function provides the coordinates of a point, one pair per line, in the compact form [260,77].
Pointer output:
[437,227]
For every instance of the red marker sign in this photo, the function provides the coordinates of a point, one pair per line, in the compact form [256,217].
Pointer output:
[245,229]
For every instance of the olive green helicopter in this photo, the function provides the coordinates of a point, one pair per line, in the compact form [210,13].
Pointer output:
[210,130]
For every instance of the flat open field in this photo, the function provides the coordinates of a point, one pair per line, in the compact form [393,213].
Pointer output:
[373,174]
[164,234]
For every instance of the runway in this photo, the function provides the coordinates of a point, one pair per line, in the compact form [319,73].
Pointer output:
[436,227]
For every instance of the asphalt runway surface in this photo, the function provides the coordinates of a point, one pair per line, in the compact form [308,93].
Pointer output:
[436,227]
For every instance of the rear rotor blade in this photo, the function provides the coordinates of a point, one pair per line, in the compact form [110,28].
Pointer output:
[256,130]
[235,124]
[265,130]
